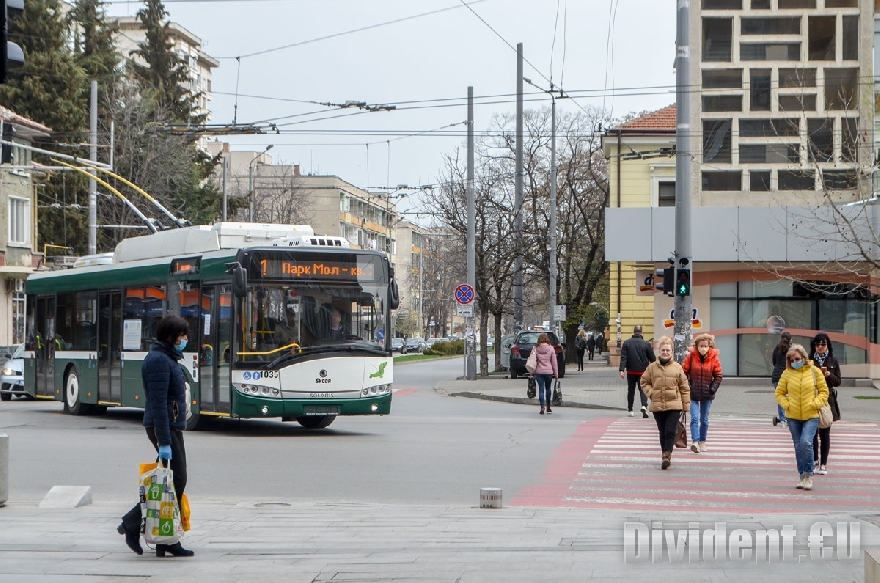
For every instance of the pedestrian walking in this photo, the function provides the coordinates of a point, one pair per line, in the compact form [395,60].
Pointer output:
[779,364]
[635,356]
[580,346]
[600,343]
[667,387]
[802,391]
[591,346]
[823,357]
[702,367]
[164,420]
[546,370]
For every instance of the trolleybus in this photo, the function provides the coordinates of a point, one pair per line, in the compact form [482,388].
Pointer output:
[283,323]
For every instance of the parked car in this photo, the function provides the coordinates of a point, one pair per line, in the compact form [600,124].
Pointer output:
[12,377]
[415,345]
[397,345]
[430,342]
[522,348]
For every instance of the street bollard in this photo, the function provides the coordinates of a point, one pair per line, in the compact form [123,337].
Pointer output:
[490,497]
[4,469]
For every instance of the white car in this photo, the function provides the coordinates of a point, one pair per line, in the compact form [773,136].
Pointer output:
[12,377]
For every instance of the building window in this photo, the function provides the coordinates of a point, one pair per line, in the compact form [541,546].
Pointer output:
[717,38]
[666,194]
[722,4]
[822,38]
[849,139]
[769,153]
[759,181]
[840,179]
[19,220]
[804,102]
[722,78]
[770,51]
[716,140]
[850,38]
[841,4]
[760,4]
[772,26]
[767,128]
[820,140]
[759,90]
[796,180]
[797,78]
[785,4]
[718,181]
[714,103]
[18,311]
[840,88]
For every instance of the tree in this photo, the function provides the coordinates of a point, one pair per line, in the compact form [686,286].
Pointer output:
[93,43]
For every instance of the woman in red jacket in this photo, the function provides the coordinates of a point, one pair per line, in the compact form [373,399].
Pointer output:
[703,370]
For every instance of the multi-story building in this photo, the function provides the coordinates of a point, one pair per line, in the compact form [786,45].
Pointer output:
[781,118]
[18,226]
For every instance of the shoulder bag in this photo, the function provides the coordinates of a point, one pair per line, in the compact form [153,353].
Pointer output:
[826,418]
[532,362]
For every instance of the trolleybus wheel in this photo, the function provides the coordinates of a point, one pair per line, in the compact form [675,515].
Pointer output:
[5,396]
[315,421]
[72,402]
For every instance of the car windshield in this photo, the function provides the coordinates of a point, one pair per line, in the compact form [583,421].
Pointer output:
[19,351]
[530,338]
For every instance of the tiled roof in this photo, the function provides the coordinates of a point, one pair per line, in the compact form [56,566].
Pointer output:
[12,117]
[662,119]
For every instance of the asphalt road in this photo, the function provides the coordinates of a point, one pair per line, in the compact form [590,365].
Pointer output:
[432,449]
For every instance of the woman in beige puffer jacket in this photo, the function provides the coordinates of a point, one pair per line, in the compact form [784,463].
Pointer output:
[666,385]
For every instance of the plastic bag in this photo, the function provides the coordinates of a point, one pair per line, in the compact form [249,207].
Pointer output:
[556,399]
[184,512]
[532,387]
[161,515]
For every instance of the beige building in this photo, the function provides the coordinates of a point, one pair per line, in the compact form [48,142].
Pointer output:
[18,227]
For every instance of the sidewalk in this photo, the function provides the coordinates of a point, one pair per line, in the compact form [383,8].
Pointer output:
[599,386]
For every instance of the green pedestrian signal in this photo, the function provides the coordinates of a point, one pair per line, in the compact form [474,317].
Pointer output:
[683,285]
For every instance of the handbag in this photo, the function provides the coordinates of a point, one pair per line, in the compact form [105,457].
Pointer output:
[532,388]
[681,435]
[161,515]
[556,399]
[826,417]
[532,362]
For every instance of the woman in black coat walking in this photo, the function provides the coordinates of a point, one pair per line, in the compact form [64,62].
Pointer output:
[822,354]
[164,420]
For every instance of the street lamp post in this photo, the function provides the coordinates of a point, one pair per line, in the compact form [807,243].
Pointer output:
[251,192]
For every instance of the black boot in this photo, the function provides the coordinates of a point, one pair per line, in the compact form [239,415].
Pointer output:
[175,550]
[132,539]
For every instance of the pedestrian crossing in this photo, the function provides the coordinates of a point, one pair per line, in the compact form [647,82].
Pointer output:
[749,466]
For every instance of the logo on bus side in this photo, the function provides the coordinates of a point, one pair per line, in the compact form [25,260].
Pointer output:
[323,377]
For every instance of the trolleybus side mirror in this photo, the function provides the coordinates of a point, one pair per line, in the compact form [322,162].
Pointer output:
[239,279]
[394,300]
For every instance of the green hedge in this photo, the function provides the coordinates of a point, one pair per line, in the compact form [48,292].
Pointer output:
[446,348]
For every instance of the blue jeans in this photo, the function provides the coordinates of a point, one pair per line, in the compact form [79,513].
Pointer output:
[699,419]
[802,434]
[545,385]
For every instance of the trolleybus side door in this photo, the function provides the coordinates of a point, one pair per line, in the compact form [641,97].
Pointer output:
[41,342]
[110,346]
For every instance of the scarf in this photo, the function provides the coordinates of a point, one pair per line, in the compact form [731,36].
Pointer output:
[819,359]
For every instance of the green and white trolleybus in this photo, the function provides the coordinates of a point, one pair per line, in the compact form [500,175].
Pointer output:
[282,323]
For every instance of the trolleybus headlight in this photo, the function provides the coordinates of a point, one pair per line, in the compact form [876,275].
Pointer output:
[275,392]
[365,392]
[374,408]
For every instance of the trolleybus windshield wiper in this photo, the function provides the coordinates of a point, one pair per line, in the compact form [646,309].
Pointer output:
[359,347]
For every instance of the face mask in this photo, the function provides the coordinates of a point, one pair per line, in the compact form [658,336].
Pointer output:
[181,346]
[797,364]
[704,350]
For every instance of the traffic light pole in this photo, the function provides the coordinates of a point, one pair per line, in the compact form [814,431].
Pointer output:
[683,265]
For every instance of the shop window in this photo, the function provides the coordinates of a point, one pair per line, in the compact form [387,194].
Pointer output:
[840,179]
[804,102]
[770,51]
[759,90]
[797,78]
[787,4]
[722,78]
[759,181]
[769,153]
[717,35]
[849,139]
[840,88]
[822,38]
[772,26]
[722,4]
[716,140]
[722,181]
[796,180]
[714,103]
[850,38]
[767,128]
[666,194]
[820,140]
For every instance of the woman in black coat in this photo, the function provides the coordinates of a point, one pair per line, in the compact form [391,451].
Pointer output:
[822,354]
[164,419]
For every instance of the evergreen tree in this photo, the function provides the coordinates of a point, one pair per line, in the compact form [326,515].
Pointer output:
[94,46]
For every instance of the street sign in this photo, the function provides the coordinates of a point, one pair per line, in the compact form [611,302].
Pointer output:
[464,310]
[380,334]
[464,294]
[559,314]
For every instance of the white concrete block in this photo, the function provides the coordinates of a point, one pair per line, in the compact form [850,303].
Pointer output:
[4,469]
[67,497]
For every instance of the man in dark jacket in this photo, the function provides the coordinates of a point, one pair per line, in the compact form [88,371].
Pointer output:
[635,356]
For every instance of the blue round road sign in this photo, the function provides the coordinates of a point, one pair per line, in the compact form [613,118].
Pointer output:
[464,294]
[380,334]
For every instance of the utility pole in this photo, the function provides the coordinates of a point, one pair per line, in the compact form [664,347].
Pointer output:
[93,156]
[553,320]
[518,198]
[470,365]
[684,266]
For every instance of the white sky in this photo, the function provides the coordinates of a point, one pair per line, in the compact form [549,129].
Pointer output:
[418,60]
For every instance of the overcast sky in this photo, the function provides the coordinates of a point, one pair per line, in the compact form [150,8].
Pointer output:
[602,47]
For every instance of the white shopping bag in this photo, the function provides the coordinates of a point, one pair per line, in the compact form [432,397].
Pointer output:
[159,508]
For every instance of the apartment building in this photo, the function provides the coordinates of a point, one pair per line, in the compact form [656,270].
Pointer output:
[782,115]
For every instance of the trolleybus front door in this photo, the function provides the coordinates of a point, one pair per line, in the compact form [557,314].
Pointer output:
[216,329]
[110,347]
[42,342]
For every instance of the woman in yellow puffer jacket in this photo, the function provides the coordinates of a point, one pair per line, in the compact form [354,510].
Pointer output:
[801,392]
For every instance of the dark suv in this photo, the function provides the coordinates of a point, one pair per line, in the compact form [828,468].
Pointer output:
[522,348]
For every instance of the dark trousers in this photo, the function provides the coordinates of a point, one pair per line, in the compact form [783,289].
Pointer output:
[823,439]
[580,355]
[633,381]
[667,421]
[590,352]
[132,519]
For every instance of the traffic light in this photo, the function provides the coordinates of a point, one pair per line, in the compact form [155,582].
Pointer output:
[683,284]
[664,280]
[11,55]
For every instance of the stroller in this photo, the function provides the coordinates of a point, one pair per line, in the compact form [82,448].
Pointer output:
[532,390]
